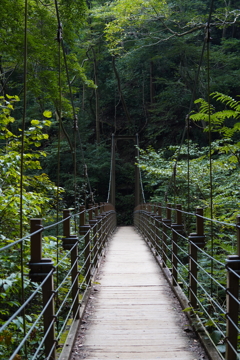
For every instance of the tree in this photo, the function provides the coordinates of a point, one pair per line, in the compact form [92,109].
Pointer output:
[39,193]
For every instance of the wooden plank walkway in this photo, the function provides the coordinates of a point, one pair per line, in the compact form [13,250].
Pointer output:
[133,314]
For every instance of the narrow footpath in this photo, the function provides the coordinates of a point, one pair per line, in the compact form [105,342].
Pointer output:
[132,312]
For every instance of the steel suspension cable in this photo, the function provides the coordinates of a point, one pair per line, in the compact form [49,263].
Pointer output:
[22,164]
[111,167]
[142,189]
[208,39]
[140,174]
[59,36]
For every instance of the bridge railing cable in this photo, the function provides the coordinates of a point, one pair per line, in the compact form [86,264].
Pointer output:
[194,270]
[52,305]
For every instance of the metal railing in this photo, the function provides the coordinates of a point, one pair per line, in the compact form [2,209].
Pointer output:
[57,288]
[210,282]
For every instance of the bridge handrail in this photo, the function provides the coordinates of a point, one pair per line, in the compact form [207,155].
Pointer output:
[185,258]
[76,268]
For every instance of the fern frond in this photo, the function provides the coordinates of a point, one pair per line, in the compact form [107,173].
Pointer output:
[199,117]
[204,106]
[225,99]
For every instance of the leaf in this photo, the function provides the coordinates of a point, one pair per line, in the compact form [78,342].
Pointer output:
[35,122]
[188,309]
[47,114]
[221,348]
[216,336]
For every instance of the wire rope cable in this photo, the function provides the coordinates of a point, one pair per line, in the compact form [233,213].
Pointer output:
[208,40]
[140,174]
[59,116]
[111,169]
[142,189]
[22,163]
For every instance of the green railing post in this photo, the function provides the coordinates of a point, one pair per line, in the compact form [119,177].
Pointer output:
[176,228]
[233,271]
[40,269]
[195,239]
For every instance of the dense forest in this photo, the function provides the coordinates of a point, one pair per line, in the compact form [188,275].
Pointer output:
[74,72]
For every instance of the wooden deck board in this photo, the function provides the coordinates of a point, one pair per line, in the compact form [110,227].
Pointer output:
[133,316]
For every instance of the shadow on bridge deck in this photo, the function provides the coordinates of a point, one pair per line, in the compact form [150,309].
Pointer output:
[133,314]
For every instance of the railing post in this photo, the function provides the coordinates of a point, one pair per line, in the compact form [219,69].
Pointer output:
[233,270]
[100,232]
[95,243]
[158,218]
[151,229]
[159,209]
[94,225]
[159,221]
[176,228]
[81,216]
[40,269]
[84,231]
[146,221]
[195,239]
[104,227]
[70,242]
[153,235]
[166,224]
[87,254]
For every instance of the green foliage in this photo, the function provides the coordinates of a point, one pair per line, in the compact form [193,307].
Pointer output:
[158,169]
[217,120]
[124,17]
[39,193]
[157,45]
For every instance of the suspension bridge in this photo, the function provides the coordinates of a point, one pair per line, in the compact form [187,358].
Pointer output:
[134,317]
